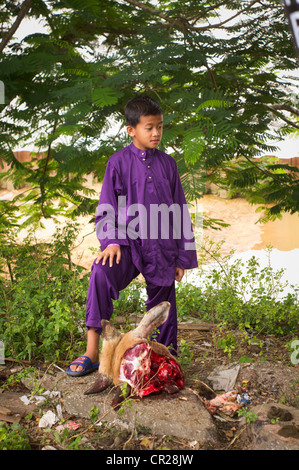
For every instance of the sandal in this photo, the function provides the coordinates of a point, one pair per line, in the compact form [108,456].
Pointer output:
[85,362]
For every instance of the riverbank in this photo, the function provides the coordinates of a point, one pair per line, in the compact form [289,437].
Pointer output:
[243,234]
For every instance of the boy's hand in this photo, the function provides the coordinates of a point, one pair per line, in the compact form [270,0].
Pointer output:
[109,252]
[179,273]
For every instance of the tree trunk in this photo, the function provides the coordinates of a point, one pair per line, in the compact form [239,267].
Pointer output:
[22,13]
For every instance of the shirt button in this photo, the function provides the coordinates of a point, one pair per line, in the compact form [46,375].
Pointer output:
[148,166]
[149,177]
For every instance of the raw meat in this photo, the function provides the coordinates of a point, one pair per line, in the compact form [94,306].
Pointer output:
[148,372]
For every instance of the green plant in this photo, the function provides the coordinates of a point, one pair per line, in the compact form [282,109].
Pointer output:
[227,343]
[191,302]
[127,402]
[245,359]
[130,301]
[242,294]
[185,353]
[250,416]
[67,440]
[274,420]
[13,437]
[94,413]
[42,303]
[30,373]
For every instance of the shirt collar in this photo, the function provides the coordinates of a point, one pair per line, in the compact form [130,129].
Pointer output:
[142,153]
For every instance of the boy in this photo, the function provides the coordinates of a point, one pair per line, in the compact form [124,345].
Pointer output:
[138,179]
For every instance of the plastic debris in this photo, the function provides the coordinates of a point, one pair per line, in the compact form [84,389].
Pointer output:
[71,425]
[243,399]
[52,394]
[48,420]
[225,402]
[25,400]
[224,378]
[38,399]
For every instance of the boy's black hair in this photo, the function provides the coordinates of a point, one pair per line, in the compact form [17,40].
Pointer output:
[138,106]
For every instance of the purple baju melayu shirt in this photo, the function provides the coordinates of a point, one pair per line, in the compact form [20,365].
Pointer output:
[142,205]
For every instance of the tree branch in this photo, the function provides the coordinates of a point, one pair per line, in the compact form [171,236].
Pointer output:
[274,109]
[266,172]
[222,23]
[153,11]
[22,13]
[184,21]
[285,107]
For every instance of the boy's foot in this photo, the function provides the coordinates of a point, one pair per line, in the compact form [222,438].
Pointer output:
[79,366]
[82,365]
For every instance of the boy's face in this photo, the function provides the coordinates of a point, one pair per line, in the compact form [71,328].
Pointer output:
[148,132]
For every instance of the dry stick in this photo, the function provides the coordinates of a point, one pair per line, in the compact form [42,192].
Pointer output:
[59,368]
[196,394]
[237,436]
[182,444]
[46,371]
[19,361]
[133,431]
[211,390]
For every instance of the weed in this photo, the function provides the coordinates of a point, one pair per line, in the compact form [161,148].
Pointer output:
[250,416]
[239,294]
[13,437]
[42,302]
[43,298]
[227,344]
[185,353]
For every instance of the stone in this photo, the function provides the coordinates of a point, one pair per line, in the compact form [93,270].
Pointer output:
[12,401]
[181,415]
[273,433]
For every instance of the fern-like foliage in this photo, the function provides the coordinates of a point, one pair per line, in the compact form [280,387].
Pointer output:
[65,90]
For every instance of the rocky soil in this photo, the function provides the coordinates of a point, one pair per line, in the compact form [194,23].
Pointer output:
[267,417]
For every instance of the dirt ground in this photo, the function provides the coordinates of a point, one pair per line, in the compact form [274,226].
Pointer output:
[267,377]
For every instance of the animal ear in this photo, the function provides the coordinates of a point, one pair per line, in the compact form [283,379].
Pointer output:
[155,317]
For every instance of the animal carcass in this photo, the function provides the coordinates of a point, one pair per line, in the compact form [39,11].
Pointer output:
[147,366]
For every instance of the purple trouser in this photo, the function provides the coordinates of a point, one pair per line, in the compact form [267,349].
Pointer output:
[106,282]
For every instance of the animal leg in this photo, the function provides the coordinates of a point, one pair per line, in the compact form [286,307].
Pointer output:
[120,395]
[100,384]
[171,388]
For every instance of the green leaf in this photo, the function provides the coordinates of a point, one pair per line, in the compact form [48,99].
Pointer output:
[105,96]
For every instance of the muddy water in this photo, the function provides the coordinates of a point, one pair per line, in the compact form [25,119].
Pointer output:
[247,237]
[281,234]
[244,234]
